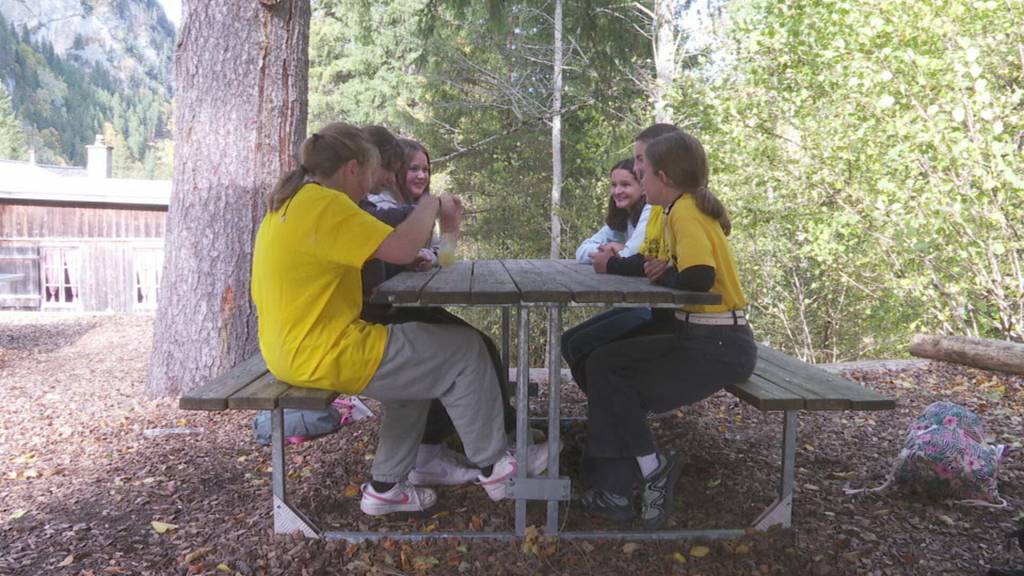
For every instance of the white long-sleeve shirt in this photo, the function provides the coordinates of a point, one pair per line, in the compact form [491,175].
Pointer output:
[633,237]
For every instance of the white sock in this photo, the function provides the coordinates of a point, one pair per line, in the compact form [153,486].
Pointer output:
[426,454]
[648,463]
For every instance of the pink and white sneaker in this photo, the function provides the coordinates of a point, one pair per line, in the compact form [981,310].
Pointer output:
[401,498]
[446,469]
[496,484]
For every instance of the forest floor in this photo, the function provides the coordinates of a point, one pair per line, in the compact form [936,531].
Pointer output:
[87,467]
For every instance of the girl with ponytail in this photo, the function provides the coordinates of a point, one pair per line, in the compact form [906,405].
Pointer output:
[678,359]
[306,284]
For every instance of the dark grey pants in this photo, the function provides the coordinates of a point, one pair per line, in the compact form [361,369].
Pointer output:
[674,364]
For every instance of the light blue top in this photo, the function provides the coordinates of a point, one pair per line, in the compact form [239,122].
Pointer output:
[632,238]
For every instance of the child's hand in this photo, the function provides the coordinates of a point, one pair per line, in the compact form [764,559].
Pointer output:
[451,213]
[615,247]
[424,260]
[600,260]
[654,268]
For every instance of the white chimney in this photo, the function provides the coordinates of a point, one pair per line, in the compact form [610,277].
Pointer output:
[99,159]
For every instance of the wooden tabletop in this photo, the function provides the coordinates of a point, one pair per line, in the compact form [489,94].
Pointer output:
[496,282]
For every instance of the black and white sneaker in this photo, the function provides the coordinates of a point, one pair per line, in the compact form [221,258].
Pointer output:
[656,494]
[615,507]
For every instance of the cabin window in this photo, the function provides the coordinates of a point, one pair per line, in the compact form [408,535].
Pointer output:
[148,265]
[62,277]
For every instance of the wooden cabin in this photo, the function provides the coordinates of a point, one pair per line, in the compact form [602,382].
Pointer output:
[77,239]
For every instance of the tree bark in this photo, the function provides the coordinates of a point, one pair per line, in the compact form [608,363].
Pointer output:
[240,112]
[665,40]
[556,138]
[978,352]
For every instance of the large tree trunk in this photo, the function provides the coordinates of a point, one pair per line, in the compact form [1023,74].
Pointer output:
[665,40]
[556,139]
[978,352]
[240,112]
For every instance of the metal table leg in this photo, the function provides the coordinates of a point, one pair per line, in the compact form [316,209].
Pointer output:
[505,336]
[286,518]
[554,406]
[522,412]
[781,511]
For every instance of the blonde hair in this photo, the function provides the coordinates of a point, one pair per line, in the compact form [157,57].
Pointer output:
[683,160]
[320,156]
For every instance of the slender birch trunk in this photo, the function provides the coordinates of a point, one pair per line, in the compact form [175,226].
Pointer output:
[556,139]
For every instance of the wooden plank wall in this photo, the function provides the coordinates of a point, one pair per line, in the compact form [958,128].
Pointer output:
[31,221]
[106,238]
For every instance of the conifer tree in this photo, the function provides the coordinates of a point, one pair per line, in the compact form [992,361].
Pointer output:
[12,137]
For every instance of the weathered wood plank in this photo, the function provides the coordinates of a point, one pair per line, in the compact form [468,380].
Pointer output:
[639,290]
[826,384]
[537,284]
[307,398]
[450,285]
[402,289]
[214,396]
[764,395]
[814,399]
[588,286]
[492,284]
[261,394]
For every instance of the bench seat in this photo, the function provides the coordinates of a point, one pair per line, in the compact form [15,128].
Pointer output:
[779,383]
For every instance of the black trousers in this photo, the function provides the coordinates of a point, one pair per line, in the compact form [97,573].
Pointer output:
[673,364]
[439,425]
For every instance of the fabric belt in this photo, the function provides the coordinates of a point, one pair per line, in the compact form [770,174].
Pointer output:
[731,318]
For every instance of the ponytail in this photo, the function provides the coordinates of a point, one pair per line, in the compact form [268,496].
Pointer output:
[709,204]
[320,156]
[683,160]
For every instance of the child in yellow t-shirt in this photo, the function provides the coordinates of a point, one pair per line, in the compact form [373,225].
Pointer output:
[682,358]
[306,284]
[581,340]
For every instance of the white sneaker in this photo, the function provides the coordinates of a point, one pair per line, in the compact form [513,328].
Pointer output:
[447,469]
[496,484]
[401,498]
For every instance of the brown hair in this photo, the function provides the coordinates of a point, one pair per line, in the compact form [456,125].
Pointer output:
[409,149]
[683,160]
[655,131]
[320,156]
[387,145]
[618,218]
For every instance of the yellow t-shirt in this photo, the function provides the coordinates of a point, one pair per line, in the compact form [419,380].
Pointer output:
[653,245]
[307,287]
[696,239]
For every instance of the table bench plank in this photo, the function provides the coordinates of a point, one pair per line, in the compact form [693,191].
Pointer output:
[261,394]
[214,396]
[589,287]
[766,396]
[402,289]
[827,383]
[534,284]
[635,290]
[449,285]
[307,398]
[492,284]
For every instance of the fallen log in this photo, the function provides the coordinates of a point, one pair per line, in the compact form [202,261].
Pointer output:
[977,352]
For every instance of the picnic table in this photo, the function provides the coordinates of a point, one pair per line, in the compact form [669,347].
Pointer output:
[779,383]
[526,284]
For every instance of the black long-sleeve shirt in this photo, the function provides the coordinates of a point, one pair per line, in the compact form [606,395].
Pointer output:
[694,278]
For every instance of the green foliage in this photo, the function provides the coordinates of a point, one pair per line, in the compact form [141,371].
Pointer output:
[870,152]
[12,136]
[65,101]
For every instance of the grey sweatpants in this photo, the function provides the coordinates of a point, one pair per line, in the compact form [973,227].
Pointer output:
[427,361]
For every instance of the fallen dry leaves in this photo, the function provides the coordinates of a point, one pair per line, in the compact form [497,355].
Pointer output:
[81,482]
